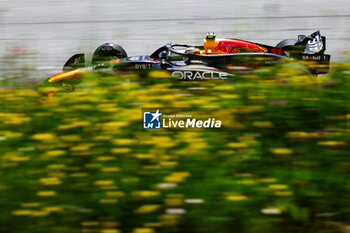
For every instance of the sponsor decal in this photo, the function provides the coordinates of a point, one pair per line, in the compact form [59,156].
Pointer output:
[237,46]
[143,66]
[314,45]
[315,57]
[193,75]
[275,62]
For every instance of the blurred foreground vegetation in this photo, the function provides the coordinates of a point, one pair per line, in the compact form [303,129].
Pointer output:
[80,162]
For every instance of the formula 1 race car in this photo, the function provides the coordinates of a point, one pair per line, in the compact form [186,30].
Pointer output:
[216,59]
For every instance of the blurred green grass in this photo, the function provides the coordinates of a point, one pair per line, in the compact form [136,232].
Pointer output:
[78,161]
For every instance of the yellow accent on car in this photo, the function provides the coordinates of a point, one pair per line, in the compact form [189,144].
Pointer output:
[67,76]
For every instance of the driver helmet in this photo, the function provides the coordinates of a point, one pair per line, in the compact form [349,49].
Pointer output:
[192,50]
[210,36]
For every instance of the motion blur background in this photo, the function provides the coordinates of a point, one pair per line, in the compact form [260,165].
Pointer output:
[54,30]
[78,161]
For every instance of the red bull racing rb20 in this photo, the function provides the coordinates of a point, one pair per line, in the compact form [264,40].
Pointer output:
[216,59]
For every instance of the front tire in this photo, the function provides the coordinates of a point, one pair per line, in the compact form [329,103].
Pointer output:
[108,52]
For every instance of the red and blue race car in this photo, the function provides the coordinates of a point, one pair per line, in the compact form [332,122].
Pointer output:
[215,59]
